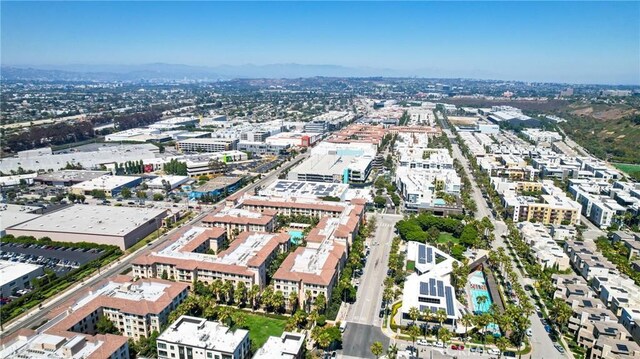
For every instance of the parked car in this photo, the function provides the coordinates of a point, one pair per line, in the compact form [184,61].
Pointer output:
[457,347]
[529,332]
[509,354]
[422,342]
[493,351]
[472,349]
[558,347]
[438,344]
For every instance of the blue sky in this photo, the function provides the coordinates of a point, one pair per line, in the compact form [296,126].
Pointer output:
[539,41]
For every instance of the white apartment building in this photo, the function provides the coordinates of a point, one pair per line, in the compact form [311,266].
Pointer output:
[546,251]
[197,338]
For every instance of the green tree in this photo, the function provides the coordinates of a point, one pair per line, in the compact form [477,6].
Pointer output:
[141,194]
[414,333]
[376,349]
[380,201]
[126,193]
[158,197]
[560,312]
[106,326]
[414,313]
[320,302]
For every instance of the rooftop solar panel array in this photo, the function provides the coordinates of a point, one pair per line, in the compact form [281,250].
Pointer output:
[449,300]
[421,255]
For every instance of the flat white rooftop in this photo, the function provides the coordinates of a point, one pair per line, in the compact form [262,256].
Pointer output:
[149,291]
[97,220]
[201,333]
[105,183]
[11,214]
[286,188]
[10,271]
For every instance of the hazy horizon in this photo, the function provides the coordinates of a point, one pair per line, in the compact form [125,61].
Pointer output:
[582,43]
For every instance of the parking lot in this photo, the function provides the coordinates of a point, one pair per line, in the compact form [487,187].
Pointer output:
[60,259]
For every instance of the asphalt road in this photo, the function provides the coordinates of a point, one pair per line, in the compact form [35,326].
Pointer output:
[363,320]
[541,343]
[357,340]
[37,316]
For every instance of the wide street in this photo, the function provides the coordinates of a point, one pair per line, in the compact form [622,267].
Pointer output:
[541,343]
[36,316]
[363,320]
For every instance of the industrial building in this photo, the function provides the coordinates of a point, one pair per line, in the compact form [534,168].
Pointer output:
[116,226]
[168,182]
[216,187]
[15,276]
[138,135]
[111,185]
[12,214]
[67,178]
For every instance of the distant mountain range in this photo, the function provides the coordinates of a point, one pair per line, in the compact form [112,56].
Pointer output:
[161,71]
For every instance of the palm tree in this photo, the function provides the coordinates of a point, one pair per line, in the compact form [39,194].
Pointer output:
[293,301]
[414,333]
[481,322]
[267,296]
[561,312]
[481,299]
[216,288]
[225,314]
[392,351]
[467,321]
[376,349]
[427,316]
[253,295]
[441,316]
[227,290]
[502,343]
[444,335]
[240,294]
[278,301]
[414,313]
[307,299]
[238,319]
[320,302]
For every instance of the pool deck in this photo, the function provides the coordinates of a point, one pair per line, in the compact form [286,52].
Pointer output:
[492,285]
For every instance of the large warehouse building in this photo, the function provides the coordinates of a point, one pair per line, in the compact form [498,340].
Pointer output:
[118,226]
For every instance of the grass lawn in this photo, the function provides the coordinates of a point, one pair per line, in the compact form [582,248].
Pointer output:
[445,237]
[626,167]
[261,328]
[411,266]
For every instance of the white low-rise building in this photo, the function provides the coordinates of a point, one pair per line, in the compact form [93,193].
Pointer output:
[16,276]
[197,338]
[287,346]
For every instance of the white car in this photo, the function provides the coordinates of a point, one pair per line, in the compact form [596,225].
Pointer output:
[529,332]
[438,344]
[422,342]
[493,351]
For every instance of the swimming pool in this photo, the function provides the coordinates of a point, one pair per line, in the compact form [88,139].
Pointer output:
[478,289]
[296,236]
[439,202]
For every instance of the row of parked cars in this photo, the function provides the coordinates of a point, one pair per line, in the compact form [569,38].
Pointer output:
[39,260]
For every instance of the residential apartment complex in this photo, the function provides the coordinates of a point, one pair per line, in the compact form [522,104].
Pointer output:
[197,338]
